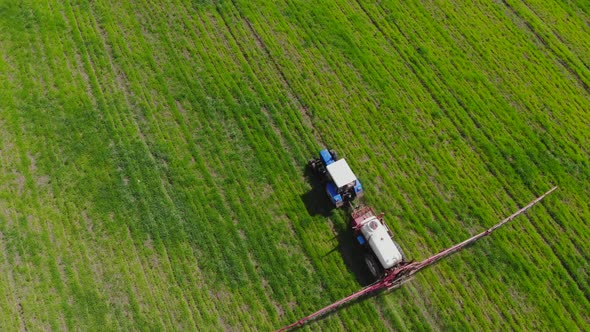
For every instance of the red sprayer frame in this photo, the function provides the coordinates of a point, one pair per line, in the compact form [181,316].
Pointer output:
[397,276]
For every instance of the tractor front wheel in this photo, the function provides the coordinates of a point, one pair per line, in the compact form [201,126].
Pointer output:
[312,165]
[334,155]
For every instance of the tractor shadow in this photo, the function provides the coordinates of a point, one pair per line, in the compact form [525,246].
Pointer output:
[315,200]
[352,255]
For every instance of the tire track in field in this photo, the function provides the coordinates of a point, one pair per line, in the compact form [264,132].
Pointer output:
[284,86]
[301,105]
[207,169]
[482,54]
[475,46]
[513,198]
[390,72]
[292,96]
[306,118]
[427,315]
[340,70]
[26,168]
[570,45]
[8,147]
[563,59]
[89,72]
[202,166]
[341,75]
[489,138]
[16,299]
[425,84]
[267,52]
[48,148]
[245,127]
[123,87]
[365,67]
[162,181]
[537,228]
[171,47]
[555,31]
[487,165]
[87,85]
[190,304]
[101,101]
[22,168]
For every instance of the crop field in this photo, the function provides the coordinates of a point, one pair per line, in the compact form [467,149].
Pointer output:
[153,162]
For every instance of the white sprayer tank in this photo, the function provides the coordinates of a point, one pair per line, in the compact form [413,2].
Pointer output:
[381,243]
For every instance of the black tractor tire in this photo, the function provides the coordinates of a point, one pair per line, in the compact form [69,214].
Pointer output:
[374,266]
[400,250]
[334,155]
[313,166]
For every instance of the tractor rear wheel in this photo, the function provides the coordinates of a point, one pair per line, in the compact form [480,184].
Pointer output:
[400,251]
[312,165]
[374,266]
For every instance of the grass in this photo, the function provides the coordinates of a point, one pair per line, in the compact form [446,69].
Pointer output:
[152,159]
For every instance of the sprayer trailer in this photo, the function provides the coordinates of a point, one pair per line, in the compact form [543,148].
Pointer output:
[342,185]
[382,253]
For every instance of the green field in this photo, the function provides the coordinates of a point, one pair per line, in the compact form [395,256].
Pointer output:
[153,153]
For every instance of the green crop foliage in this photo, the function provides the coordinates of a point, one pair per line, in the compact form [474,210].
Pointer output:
[153,154]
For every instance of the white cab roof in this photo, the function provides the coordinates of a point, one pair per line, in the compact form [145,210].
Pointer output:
[341,173]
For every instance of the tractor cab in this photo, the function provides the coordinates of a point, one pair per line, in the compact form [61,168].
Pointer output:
[342,185]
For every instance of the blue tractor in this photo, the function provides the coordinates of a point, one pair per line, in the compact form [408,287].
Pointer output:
[341,184]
